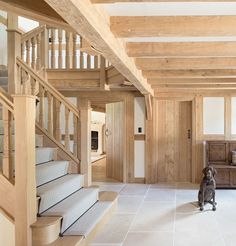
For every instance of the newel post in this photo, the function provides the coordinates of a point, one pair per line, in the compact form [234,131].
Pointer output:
[25,181]
[13,50]
[85,140]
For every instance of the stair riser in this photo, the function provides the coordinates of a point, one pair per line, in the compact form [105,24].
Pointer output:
[59,192]
[44,155]
[46,234]
[81,209]
[38,142]
[46,173]
[74,207]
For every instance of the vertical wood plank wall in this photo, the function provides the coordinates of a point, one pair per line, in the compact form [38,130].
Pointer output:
[115,140]
[173,148]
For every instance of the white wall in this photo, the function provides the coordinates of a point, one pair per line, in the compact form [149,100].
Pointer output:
[213,115]
[139,145]
[233,115]
[139,115]
[3,41]
[98,117]
[27,25]
[7,231]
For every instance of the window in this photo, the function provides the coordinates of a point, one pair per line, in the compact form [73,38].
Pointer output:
[213,115]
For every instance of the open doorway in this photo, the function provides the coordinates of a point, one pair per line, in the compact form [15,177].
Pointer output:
[107,148]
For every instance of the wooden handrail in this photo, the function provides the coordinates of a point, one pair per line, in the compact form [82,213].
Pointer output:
[48,86]
[49,117]
[32,33]
[4,100]
[7,194]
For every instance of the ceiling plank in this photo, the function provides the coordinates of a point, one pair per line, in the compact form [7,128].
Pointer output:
[204,73]
[181,49]
[186,63]
[88,22]
[173,26]
[192,81]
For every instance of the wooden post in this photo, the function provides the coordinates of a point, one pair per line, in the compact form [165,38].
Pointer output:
[13,50]
[44,50]
[25,181]
[103,80]
[85,140]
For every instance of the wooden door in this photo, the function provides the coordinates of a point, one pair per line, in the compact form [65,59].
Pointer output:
[174,142]
[115,140]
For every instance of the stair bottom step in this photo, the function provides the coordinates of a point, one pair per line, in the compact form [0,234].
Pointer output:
[86,223]
[66,241]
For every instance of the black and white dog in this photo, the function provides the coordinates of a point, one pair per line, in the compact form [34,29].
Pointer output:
[206,193]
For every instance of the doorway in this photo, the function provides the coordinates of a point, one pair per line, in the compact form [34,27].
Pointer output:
[108,166]
[174,141]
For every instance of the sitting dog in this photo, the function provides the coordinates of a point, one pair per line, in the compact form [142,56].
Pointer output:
[206,193]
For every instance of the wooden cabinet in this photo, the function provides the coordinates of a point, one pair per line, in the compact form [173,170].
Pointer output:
[219,155]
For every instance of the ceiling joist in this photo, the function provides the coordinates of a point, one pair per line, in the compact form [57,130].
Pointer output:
[186,63]
[181,49]
[173,26]
[204,73]
[89,23]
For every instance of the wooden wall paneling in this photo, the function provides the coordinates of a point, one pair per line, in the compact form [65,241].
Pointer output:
[173,146]
[198,143]
[115,130]
[129,140]
[185,150]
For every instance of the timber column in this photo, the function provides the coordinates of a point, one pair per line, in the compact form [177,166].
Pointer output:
[13,50]
[25,180]
[85,140]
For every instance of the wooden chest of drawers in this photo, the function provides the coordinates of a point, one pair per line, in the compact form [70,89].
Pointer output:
[219,155]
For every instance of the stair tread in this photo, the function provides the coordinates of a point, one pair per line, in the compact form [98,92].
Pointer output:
[51,170]
[87,222]
[57,190]
[45,221]
[67,241]
[74,206]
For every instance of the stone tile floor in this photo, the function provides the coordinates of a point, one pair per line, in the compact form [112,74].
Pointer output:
[167,215]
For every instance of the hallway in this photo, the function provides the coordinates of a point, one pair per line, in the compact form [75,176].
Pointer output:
[166,215]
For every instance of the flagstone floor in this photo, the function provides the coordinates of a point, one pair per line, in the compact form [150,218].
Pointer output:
[167,215]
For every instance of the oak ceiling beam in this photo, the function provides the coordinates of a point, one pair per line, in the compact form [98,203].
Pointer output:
[173,81]
[157,1]
[204,73]
[181,49]
[197,86]
[35,10]
[84,18]
[173,26]
[186,63]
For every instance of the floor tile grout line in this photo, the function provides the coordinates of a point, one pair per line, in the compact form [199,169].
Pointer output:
[136,214]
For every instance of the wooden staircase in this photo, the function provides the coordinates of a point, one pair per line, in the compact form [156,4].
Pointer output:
[65,206]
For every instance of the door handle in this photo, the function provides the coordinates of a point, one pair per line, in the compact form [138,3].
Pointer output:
[189,133]
[107,132]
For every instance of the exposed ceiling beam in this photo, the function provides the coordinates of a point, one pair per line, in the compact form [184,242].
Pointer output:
[205,73]
[173,26]
[133,1]
[197,86]
[195,81]
[35,10]
[186,63]
[181,49]
[89,23]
